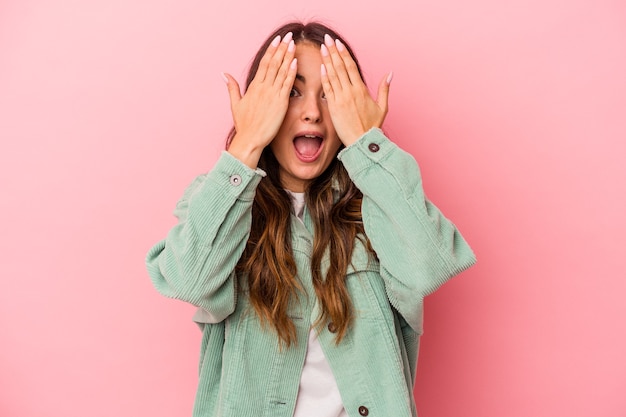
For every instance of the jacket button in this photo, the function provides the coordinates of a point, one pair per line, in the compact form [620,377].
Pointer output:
[332,327]
[373,147]
[235,179]
[363,411]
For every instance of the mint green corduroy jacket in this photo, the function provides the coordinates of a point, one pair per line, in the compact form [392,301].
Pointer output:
[243,371]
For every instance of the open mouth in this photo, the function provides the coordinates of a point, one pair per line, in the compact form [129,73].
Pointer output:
[308,146]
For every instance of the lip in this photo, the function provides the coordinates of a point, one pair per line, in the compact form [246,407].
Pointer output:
[311,158]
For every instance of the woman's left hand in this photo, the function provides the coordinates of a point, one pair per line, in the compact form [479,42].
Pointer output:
[352,109]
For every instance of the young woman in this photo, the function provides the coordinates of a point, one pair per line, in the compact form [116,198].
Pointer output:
[309,246]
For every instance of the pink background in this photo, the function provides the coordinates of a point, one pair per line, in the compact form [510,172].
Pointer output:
[516,111]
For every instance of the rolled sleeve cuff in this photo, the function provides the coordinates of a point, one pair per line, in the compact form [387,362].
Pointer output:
[232,174]
[370,149]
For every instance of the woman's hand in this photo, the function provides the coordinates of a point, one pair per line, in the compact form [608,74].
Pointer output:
[259,114]
[352,108]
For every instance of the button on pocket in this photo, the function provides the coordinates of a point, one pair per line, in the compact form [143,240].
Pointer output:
[235,179]
[373,147]
[363,411]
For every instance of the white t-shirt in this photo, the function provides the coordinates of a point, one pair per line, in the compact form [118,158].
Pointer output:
[318,395]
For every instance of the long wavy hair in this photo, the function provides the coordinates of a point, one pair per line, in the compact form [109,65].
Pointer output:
[334,203]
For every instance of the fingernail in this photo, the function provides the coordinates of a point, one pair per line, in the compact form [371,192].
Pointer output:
[323,70]
[224,77]
[328,40]
[288,37]
[340,46]
[324,50]
[291,46]
[294,64]
[390,77]
[276,41]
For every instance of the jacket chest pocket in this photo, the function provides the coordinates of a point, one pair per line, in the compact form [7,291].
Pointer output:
[367,287]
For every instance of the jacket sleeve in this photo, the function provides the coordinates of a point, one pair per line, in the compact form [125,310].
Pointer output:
[196,261]
[418,248]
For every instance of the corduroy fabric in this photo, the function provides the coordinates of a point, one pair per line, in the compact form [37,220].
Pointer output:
[243,371]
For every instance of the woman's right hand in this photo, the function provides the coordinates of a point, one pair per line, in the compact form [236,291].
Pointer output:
[259,114]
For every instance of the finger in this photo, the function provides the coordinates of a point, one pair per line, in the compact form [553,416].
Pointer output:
[285,65]
[329,70]
[289,78]
[233,89]
[264,63]
[267,57]
[337,62]
[383,93]
[326,86]
[351,69]
[278,58]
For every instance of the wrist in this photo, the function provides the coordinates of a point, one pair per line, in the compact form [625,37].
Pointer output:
[349,138]
[245,150]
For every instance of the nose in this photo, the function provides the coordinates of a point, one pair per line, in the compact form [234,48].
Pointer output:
[311,110]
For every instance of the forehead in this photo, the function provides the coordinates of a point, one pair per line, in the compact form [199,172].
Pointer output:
[309,60]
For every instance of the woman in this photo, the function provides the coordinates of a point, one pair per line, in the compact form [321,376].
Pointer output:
[310,246]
